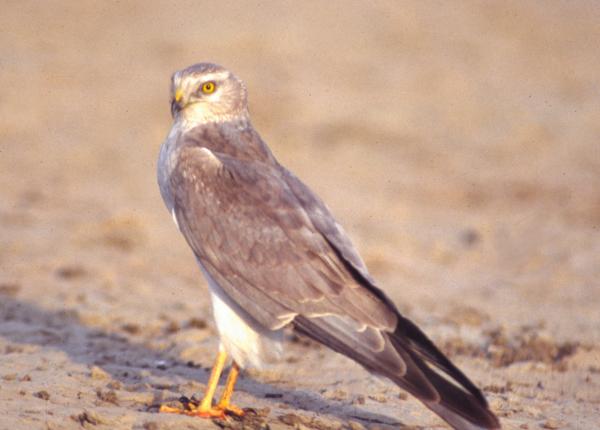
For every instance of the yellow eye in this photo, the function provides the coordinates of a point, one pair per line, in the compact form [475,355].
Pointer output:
[208,87]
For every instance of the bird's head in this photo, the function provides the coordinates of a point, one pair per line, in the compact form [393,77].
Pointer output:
[205,93]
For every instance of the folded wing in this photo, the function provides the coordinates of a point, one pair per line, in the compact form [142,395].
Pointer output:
[278,253]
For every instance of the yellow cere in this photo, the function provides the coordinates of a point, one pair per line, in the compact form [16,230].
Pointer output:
[178,94]
[208,87]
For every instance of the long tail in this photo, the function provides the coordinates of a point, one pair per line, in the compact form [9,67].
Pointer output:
[413,362]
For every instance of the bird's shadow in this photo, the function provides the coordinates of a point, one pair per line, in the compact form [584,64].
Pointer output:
[130,362]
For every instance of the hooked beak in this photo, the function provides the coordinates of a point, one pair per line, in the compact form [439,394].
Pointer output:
[176,102]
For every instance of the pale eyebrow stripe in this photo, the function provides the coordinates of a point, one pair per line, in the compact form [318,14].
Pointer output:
[216,76]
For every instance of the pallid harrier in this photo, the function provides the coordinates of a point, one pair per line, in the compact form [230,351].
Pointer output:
[274,256]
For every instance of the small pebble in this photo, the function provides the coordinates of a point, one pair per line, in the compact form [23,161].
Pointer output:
[42,395]
[359,400]
[336,395]
[196,323]
[551,424]
[71,271]
[107,396]
[97,373]
[381,398]
[131,328]
[355,425]
[114,385]
[90,417]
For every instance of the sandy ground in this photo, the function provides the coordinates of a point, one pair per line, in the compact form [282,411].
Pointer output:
[459,143]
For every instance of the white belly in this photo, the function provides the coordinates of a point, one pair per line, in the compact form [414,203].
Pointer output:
[247,345]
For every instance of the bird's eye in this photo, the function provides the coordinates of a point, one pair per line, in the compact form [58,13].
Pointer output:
[208,87]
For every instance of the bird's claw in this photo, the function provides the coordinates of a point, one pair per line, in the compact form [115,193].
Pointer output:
[215,412]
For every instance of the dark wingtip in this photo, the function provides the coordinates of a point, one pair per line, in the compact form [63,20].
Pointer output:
[427,350]
[458,406]
[461,403]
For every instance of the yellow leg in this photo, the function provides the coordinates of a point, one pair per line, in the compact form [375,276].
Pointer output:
[225,401]
[205,409]
[213,381]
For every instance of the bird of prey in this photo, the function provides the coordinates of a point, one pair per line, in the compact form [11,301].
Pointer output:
[274,256]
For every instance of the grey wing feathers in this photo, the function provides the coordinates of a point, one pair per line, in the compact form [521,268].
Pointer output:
[326,224]
[335,236]
[249,230]
[276,251]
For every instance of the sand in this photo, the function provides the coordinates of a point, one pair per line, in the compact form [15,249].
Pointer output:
[458,143]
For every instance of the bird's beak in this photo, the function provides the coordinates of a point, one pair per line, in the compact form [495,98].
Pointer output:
[176,102]
[178,95]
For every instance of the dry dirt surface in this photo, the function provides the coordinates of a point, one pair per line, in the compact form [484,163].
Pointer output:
[457,142]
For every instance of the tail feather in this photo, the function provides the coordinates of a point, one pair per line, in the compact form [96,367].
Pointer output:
[458,396]
[427,350]
[455,420]
[457,406]
[420,368]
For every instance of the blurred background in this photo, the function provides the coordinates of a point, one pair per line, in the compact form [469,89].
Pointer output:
[457,142]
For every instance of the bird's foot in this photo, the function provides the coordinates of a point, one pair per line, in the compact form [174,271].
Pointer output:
[231,410]
[193,408]
[212,412]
